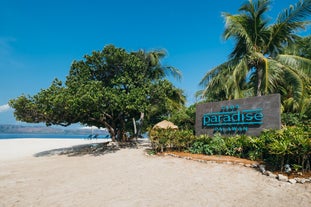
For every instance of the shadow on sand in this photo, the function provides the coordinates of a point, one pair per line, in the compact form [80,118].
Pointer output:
[94,149]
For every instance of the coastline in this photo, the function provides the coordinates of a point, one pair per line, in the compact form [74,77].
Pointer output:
[18,148]
[128,177]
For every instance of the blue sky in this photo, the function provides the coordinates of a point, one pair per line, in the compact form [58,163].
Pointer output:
[40,39]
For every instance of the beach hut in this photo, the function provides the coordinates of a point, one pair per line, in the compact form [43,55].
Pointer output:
[165,125]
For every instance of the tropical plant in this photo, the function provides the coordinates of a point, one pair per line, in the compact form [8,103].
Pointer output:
[156,69]
[165,98]
[301,48]
[184,117]
[290,145]
[201,145]
[258,64]
[295,119]
[170,139]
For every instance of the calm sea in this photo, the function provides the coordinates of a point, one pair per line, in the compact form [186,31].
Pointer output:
[48,136]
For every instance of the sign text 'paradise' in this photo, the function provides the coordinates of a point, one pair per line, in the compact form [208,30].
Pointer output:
[232,120]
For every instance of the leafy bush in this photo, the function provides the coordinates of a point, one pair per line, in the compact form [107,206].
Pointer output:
[202,145]
[290,145]
[238,146]
[164,139]
[218,145]
[295,119]
[233,146]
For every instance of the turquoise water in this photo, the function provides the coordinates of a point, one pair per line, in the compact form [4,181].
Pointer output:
[48,136]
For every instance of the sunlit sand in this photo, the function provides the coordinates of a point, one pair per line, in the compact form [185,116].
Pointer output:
[129,177]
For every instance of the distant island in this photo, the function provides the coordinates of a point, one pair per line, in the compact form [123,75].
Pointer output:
[20,129]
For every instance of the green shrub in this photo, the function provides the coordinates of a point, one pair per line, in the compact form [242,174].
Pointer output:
[294,119]
[290,145]
[201,145]
[233,146]
[218,145]
[164,139]
[257,148]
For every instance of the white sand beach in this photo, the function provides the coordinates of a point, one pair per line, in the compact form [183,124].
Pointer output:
[12,149]
[128,177]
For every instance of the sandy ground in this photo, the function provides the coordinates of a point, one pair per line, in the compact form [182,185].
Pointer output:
[127,177]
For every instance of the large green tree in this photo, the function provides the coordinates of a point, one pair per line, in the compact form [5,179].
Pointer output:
[107,89]
[165,97]
[258,63]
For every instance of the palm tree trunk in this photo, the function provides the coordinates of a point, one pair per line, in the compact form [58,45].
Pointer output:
[259,81]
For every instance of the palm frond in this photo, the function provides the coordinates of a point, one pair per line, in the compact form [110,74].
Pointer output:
[199,94]
[212,73]
[297,62]
[176,73]
[239,75]
[275,76]
[237,27]
[305,105]
[289,21]
[226,81]
[256,8]
[294,82]
[290,105]
[295,13]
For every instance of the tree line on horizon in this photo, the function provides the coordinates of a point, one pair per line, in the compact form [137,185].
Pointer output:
[129,91]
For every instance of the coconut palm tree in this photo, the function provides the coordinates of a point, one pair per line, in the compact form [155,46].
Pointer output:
[257,62]
[301,49]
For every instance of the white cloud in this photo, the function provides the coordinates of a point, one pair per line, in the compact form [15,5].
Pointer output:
[4,108]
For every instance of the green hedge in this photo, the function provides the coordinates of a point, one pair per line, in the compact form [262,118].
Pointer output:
[164,139]
[290,145]
[241,146]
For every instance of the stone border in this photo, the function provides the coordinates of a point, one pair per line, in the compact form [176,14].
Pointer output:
[282,177]
[259,167]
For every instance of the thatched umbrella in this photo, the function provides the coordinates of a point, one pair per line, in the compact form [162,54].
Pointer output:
[165,125]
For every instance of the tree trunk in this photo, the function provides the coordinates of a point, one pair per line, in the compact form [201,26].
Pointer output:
[134,124]
[122,132]
[111,132]
[259,80]
[140,121]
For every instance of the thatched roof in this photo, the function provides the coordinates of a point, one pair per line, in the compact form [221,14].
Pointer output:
[165,125]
